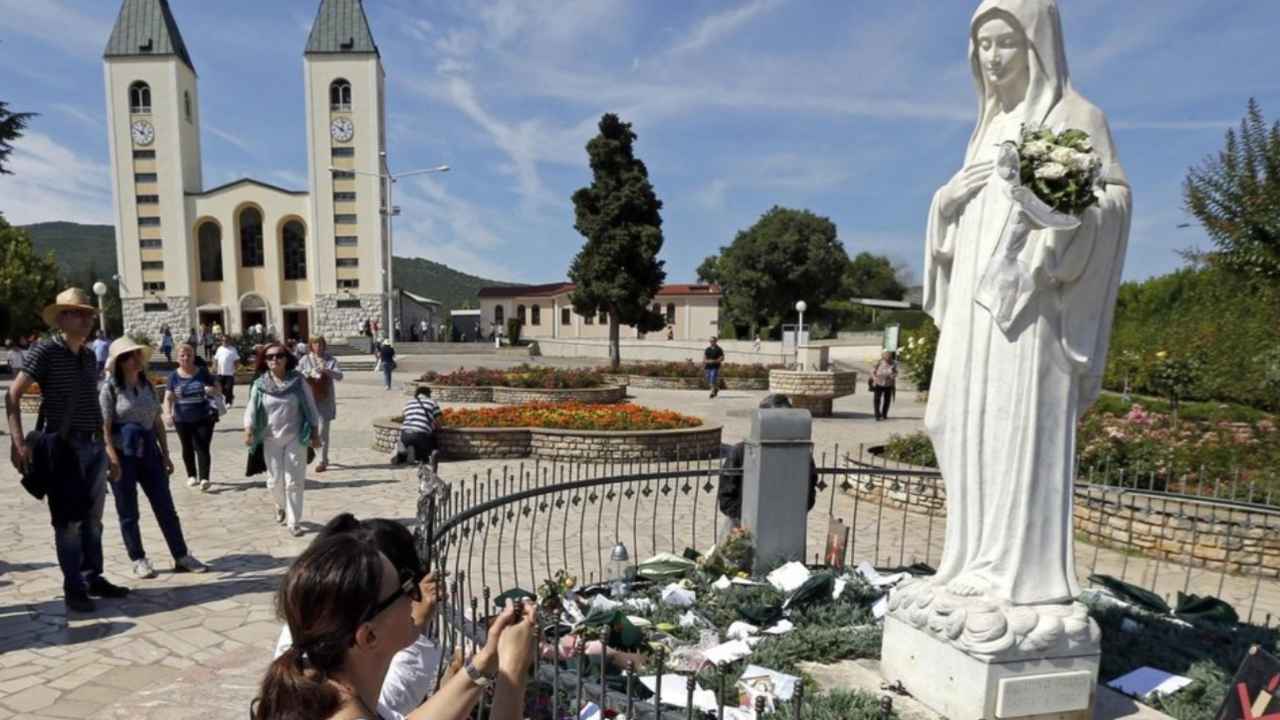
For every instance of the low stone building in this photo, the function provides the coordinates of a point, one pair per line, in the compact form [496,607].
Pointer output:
[692,312]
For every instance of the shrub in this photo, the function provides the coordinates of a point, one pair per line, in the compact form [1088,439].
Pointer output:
[913,449]
[917,353]
[521,376]
[513,330]
[690,369]
[569,416]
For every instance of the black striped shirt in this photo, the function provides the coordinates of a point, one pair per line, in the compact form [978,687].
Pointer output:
[421,415]
[63,375]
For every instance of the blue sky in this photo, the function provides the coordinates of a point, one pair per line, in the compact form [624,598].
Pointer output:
[856,110]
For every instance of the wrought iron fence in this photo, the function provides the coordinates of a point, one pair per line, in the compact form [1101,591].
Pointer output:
[515,526]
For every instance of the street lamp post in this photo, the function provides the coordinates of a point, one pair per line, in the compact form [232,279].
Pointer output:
[388,211]
[800,308]
[100,289]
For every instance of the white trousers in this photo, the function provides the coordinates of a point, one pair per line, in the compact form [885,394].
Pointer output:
[286,475]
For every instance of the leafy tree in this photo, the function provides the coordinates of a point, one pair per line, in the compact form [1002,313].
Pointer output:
[28,282]
[788,255]
[1236,196]
[11,126]
[617,271]
[873,276]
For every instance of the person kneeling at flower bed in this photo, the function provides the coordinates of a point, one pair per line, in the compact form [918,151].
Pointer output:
[730,494]
[418,429]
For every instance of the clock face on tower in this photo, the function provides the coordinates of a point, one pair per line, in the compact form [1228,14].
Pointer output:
[342,130]
[142,131]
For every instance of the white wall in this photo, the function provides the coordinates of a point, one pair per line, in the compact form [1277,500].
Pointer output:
[735,351]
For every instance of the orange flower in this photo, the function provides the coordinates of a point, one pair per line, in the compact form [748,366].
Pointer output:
[569,416]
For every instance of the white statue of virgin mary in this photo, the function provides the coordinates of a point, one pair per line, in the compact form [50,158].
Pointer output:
[1003,403]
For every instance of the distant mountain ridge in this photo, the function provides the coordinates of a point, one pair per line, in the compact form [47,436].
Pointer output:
[84,251]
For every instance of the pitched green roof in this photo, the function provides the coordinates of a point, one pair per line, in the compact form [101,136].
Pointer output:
[147,28]
[341,27]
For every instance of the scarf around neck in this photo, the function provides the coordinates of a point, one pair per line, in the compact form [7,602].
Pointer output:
[271,386]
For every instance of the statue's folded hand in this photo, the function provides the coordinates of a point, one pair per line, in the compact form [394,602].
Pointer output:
[963,186]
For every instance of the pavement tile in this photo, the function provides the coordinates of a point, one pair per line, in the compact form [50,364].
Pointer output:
[32,699]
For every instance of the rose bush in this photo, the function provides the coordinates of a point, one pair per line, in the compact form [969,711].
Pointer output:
[569,416]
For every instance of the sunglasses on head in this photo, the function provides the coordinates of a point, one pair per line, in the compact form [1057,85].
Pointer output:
[408,586]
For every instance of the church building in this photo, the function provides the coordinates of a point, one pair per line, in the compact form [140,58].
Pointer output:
[246,252]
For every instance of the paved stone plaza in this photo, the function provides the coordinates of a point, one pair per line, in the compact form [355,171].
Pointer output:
[194,646]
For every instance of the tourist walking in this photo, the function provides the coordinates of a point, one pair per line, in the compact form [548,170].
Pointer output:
[138,456]
[187,403]
[66,459]
[421,419]
[207,340]
[711,359]
[884,377]
[225,361]
[101,350]
[166,344]
[387,360]
[321,370]
[216,329]
[348,609]
[281,417]
[16,356]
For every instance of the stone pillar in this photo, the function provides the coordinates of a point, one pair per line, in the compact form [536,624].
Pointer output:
[775,485]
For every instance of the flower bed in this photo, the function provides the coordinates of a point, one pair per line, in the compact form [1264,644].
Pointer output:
[522,376]
[517,395]
[688,375]
[566,431]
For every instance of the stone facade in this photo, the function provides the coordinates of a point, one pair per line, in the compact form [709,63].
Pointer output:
[178,316]
[686,383]
[339,322]
[813,391]
[507,443]
[518,396]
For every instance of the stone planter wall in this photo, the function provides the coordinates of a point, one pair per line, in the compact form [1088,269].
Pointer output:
[813,391]
[684,383]
[518,396]
[30,402]
[1243,541]
[507,443]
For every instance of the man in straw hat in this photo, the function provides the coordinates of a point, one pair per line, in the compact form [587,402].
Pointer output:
[70,425]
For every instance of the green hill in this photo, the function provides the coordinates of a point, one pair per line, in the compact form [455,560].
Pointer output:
[87,252]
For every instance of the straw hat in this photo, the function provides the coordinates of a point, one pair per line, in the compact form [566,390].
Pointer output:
[124,346]
[70,299]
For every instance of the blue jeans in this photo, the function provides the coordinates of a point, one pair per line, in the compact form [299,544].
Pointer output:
[386,373]
[713,377]
[79,544]
[147,473]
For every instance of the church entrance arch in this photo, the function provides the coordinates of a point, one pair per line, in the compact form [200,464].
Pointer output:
[253,311]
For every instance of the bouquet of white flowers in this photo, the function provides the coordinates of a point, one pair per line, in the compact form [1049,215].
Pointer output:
[1060,168]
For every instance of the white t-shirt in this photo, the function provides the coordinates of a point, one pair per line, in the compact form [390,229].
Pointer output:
[410,677]
[224,361]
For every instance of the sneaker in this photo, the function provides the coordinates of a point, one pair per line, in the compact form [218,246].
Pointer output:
[295,531]
[142,569]
[279,517]
[321,467]
[187,563]
[99,587]
[204,485]
[192,482]
[80,602]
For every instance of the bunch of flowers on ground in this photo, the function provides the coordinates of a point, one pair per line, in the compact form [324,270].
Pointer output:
[690,369]
[569,416]
[521,376]
[1060,168]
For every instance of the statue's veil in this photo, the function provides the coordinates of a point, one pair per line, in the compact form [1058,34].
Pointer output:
[1050,80]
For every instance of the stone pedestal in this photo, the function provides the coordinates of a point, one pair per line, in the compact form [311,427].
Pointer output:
[775,480]
[1047,675]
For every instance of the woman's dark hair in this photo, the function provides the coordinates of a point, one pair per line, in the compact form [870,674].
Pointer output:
[260,360]
[323,598]
[775,400]
[392,539]
[117,370]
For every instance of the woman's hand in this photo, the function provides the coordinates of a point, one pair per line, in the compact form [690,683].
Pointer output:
[424,609]
[113,466]
[248,438]
[516,647]
[168,464]
[963,186]
[486,661]
[314,442]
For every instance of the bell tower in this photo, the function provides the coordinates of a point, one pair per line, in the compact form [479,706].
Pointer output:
[346,131]
[153,122]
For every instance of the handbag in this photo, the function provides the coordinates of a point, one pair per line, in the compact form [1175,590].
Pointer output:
[35,484]
[257,461]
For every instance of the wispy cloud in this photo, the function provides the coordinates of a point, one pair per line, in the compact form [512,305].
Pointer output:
[230,138]
[1173,124]
[91,119]
[292,180]
[56,23]
[714,28]
[53,182]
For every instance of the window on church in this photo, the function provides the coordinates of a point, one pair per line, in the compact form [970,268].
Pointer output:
[344,152]
[148,199]
[566,316]
[139,97]
[346,240]
[148,222]
[209,239]
[347,262]
[535,315]
[499,315]
[520,314]
[340,96]
[144,154]
[153,286]
[295,251]
[344,196]
[348,284]
[152,264]
[251,254]
[344,174]
[151,243]
[144,177]
[343,219]
[186,103]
